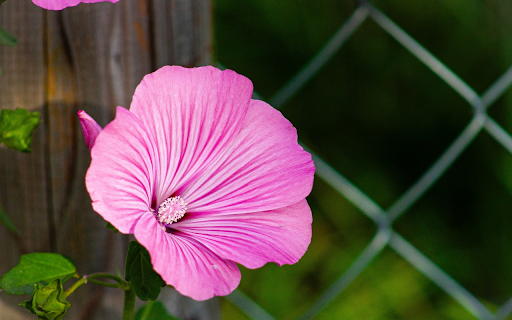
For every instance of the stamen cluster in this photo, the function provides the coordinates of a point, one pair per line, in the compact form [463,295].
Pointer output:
[171,210]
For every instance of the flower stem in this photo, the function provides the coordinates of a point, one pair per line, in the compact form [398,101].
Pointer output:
[105,284]
[120,282]
[73,287]
[129,304]
[106,276]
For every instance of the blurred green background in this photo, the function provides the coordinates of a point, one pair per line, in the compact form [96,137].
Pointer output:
[381,118]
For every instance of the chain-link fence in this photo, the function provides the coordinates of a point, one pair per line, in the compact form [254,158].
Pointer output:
[384,219]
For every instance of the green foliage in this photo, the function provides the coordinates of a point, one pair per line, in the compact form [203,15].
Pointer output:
[381,118]
[153,310]
[109,226]
[35,268]
[139,272]
[47,301]
[16,128]
[7,39]
[4,218]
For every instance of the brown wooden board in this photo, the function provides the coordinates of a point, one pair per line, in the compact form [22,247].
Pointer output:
[88,57]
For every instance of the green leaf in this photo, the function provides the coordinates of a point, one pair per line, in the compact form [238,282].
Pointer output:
[7,39]
[4,218]
[153,310]
[111,227]
[2,1]
[47,301]
[16,128]
[35,268]
[138,270]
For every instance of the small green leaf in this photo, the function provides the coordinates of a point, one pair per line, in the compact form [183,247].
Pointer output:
[111,227]
[2,1]
[27,304]
[47,301]
[16,128]
[153,310]
[139,271]
[7,39]
[4,218]
[35,268]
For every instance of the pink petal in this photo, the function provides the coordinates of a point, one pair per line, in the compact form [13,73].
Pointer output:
[253,239]
[186,264]
[90,128]
[119,179]
[61,4]
[192,115]
[264,168]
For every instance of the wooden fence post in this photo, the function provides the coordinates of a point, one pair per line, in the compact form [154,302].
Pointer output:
[87,57]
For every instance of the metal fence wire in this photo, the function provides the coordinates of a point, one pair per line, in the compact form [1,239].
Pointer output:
[385,235]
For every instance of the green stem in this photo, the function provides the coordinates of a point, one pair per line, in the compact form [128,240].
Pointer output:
[105,284]
[121,283]
[147,310]
[129,304]
[106,276]
[73,287]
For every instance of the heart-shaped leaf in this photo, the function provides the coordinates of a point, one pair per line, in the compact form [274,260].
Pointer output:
[6,38]
[16,128]
[111,227]
[140,273]
[35,268]
[4,218]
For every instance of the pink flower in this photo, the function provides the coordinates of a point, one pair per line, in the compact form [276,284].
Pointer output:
[61,4]
[204,177]
[90,128]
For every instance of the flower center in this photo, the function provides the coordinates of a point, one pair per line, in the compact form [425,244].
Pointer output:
[171,210]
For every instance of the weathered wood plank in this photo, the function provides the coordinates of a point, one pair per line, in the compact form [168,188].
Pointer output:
[88,57]
[23,176]
[187,25]
[108,59]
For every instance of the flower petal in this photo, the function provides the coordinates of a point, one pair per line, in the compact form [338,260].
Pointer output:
[61,4]
[253,239]
[90,128]
[186,264]
[192,114]
[264,168]
[119,179]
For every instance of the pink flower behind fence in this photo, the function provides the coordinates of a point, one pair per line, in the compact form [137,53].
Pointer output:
[61,4]
[204,177]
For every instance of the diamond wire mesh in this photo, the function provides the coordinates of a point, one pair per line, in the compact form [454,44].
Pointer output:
[385,235]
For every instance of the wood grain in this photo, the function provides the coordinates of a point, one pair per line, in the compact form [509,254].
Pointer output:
[88,57]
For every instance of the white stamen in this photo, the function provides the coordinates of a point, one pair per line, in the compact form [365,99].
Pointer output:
[171,210]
